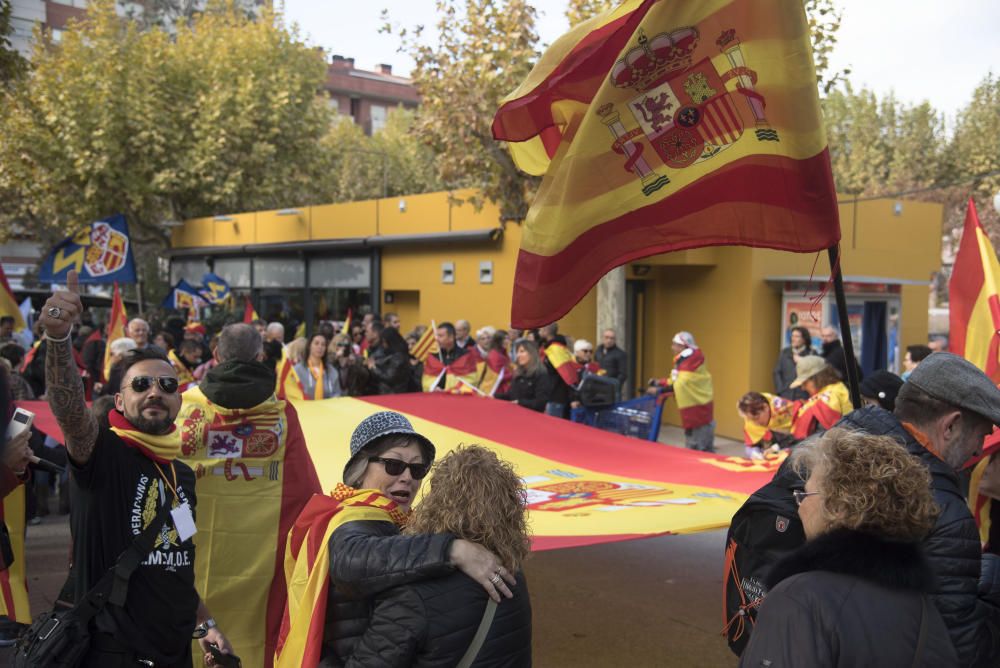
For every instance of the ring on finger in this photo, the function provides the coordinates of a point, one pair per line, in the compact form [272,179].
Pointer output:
[496,578]
[54,312]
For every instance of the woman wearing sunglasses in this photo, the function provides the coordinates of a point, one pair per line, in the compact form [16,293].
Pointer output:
[477,496]
[855,593]
[365,551]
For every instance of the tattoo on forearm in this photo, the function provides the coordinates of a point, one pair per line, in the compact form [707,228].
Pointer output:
[64,389]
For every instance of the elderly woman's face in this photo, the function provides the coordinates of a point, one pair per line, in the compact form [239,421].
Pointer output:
[814,521]
[400,488]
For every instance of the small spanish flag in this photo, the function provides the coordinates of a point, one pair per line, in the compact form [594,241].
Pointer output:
[975,302]
[117,323]
[249,313]
[563,362]
[346,330]
[8,305]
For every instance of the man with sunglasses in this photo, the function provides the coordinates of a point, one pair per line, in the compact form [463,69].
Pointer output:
[121,476]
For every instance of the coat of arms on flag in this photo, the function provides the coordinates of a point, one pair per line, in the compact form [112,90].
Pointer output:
[101,253]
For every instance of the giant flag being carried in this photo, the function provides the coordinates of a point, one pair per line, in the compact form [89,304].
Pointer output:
[101,253]
[661,126]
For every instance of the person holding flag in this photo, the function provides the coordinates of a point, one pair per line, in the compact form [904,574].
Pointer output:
[691,384]
[451,367]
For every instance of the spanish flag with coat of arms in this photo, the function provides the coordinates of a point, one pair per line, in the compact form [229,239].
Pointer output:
[662,126]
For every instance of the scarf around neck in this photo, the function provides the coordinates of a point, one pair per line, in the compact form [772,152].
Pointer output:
[163,448]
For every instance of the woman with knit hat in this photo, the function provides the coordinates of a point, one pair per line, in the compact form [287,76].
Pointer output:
[352,540]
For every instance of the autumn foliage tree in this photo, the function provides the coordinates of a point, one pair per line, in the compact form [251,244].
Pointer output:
[485,48]
[222,116]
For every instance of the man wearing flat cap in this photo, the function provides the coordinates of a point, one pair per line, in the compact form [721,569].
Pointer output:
[943,412]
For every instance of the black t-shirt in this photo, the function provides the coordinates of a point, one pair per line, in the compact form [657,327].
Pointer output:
[115,495]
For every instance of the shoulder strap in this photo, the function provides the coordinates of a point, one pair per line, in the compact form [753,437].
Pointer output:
[918,655]
[113,585]
[480,637]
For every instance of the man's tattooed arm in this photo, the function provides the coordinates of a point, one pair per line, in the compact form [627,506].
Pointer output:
[64,389]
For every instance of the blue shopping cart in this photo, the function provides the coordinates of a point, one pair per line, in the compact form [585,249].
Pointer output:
[638,418]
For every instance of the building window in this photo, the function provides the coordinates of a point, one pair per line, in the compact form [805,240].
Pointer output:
[340,272]
[379,114]
[22,27]
[82,4]
[356,109]
[191,270]
[56,35]
[233,270]
[279,272]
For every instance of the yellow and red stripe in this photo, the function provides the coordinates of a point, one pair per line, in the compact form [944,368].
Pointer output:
[822,410]
[770,187]
[974,315]
[426,345]
[117,322]
[13,584]
[8,304]
[563,362]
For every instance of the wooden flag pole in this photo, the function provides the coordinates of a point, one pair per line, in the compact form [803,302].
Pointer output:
[845,326]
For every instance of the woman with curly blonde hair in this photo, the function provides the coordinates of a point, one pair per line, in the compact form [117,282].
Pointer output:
[855,593]
[476,496]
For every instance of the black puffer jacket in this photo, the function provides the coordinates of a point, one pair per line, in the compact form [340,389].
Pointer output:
[952,549]
[367,558]
[849,599]
[390,374]
[532,391]
[431,624]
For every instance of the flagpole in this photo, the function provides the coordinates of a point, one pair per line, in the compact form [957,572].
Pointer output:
[845,326]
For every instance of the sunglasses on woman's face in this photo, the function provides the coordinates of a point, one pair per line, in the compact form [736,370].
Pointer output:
[142,384]
[397,466]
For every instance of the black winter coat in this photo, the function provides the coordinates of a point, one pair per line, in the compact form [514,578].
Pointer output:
[432,623]
[952,550]
[852,600]
[367,558]
[615,362]
[390,373]
[784,374]
[530,391]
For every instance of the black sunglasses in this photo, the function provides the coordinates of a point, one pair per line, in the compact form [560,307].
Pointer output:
[397,466]
[142,384]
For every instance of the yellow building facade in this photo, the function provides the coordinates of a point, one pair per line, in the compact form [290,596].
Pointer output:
[428,258]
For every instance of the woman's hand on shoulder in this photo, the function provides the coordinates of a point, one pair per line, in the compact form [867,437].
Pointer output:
[482,566]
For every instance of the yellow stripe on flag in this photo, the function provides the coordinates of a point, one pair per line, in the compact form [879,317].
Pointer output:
[13,585]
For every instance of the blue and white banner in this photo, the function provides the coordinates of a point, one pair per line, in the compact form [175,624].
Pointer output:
[102,253]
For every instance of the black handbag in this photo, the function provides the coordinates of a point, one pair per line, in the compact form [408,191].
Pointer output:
[61,637]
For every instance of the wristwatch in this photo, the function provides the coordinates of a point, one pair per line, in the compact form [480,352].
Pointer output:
[202,629]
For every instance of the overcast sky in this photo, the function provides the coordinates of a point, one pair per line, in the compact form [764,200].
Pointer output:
[921,49]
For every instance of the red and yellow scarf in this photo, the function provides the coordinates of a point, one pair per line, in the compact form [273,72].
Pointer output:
[163,448]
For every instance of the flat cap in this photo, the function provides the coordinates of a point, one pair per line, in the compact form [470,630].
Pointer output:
[957,381]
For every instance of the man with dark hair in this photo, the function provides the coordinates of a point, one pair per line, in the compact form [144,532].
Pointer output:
[943,413]
[122,479]
[234,414]
[445,335]
[6,328]
[915,354]
[550,334]
[392,320]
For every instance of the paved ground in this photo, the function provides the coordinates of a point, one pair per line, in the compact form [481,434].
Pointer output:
[653,602]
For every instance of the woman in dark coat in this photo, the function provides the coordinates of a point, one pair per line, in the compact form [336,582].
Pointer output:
[784,370]
[389,363]
[369,556]
[855,594]
[477,496]
[532,384]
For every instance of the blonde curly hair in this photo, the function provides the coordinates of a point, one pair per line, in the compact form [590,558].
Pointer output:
[477,496]
[871,484]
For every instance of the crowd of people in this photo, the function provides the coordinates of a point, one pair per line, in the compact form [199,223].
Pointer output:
[887,534]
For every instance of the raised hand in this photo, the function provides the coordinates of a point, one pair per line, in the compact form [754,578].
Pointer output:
[63,308]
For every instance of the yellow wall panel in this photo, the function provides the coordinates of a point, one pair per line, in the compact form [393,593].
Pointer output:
[422,214]
[350,220]
[194,232]
[273,228]
[242,229]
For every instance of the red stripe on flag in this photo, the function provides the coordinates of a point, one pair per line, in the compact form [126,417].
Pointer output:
[576,445]
[576,77]
[723,208]
[967,279]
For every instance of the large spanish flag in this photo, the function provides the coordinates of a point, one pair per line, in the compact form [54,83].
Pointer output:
[661,126]
[974,319]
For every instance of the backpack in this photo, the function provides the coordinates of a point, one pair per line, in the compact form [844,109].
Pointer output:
[763,530]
